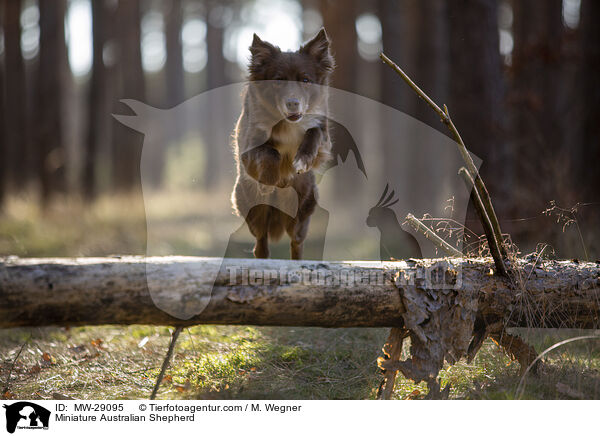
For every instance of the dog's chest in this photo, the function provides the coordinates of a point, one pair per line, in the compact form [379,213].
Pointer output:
[287,137]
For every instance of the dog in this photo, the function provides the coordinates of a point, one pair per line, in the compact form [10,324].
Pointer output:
[281,137]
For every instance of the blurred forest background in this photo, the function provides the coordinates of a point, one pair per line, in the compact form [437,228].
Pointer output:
[520,77]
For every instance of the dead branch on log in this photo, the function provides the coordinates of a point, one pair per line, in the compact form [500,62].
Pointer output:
[484,218]
[486,202]
[479,195]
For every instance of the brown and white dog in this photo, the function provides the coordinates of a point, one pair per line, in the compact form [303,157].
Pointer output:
[281,136]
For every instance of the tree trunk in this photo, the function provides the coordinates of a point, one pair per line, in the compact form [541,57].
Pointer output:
[535,94]
[431,57]
[339,20]
[175,93]
[52,72]
[430,61]
[93,291]
[127,144]
[215,77]
[16,146]
[477,89]
[3,125]
[174,64]
[98,103]
[590,35]
[394,92]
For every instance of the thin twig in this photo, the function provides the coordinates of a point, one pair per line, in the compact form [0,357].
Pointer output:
[430,235]
[12,366]
[521,386]
[414,86]
[485,220]
[166,362]
[478,181]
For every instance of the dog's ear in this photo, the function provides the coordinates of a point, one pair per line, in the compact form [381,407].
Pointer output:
[318,47]
[261,50]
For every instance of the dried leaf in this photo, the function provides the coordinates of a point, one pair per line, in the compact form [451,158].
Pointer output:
[414,394]
[97,343]
[183,387]
[48,360]
[179,388]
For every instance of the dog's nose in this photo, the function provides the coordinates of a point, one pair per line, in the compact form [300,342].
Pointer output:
[292,105]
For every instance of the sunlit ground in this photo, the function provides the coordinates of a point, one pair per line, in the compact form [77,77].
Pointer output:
[220,362]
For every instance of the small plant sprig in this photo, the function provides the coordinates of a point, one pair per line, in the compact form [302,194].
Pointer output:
[567,217]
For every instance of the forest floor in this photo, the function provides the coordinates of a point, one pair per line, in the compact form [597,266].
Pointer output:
[227,362]
[231,362]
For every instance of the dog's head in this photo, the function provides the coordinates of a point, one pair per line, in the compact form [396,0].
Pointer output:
[292,93]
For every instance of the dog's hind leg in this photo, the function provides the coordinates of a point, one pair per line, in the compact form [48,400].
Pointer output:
[297,230]
[258,223]
[261,248]
[296,250]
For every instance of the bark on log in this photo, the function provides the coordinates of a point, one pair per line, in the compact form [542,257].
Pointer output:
[93,291]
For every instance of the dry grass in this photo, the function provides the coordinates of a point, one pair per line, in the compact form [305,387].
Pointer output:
[219,362]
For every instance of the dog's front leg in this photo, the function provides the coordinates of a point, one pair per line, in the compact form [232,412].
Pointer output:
[307,152]
[262,163]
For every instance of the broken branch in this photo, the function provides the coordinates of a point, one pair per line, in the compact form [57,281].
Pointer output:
[494,225]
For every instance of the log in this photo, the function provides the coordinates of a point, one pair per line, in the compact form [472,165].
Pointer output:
[95,291]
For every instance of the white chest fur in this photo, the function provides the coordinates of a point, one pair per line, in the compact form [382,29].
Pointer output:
[287,136]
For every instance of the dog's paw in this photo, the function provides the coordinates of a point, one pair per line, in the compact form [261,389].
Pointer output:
[302,163]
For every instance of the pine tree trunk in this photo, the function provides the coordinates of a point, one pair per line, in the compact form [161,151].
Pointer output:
[536,87]
[127,144]
[16,146]
[52,72]
[3,165]
[215,77]
[590,35]
[477,93]
[98,103]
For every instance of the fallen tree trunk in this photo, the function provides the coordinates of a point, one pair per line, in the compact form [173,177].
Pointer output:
[93,291]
